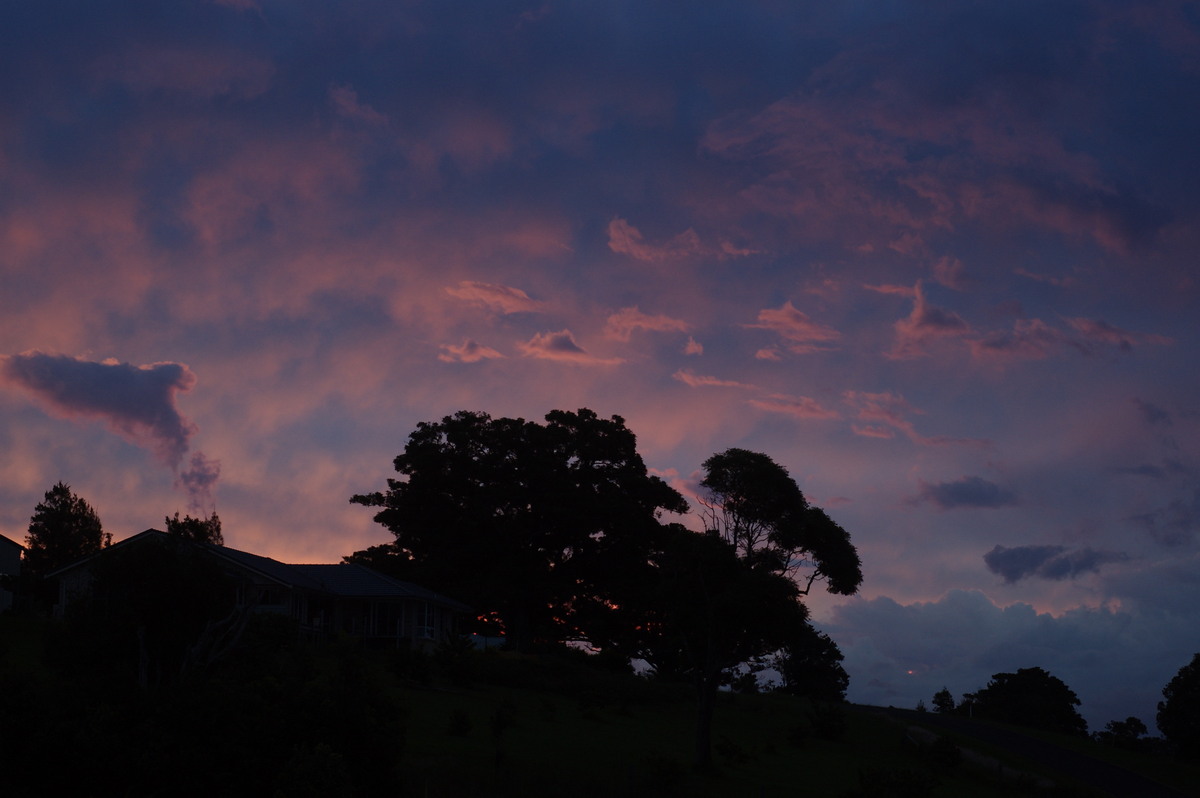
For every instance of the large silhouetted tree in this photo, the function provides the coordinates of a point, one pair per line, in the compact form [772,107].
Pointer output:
[1030,697]
[730,594]
[64,528]
[1179,712]
[547,525]
[713,613]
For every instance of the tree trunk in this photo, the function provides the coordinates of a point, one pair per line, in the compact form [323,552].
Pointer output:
[706,702]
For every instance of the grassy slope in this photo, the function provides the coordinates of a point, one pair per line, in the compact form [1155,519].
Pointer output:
[508,726]
[615,741]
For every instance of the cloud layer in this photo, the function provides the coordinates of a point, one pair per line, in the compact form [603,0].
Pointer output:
[937,259]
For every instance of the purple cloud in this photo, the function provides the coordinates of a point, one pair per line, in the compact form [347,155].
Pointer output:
[1175,524]
[137,402]
[1047,562]
[966,492]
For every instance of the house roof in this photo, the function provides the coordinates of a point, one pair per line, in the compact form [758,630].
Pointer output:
[274,570]
[354,579]
[10,542]
[349,580]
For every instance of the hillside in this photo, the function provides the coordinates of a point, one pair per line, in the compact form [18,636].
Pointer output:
[288,718]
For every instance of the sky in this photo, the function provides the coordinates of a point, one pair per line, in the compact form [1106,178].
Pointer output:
[937,259]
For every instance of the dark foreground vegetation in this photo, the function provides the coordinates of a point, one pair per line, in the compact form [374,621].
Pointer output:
[285,717]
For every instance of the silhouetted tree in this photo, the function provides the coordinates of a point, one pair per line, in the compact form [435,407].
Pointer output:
[197,530]
[731,591]
[64,528]
[549,525]
[754,504]
[810,664]
[1030,697]
[1179,712]
[1122,733]
[943,701]
[715,612]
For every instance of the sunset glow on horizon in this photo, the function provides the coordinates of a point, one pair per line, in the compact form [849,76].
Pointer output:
[937,260]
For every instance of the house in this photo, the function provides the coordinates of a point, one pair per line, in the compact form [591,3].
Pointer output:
[10,568]
[323,600]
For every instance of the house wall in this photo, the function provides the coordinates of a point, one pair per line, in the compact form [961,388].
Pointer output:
[73,584]
[10,565]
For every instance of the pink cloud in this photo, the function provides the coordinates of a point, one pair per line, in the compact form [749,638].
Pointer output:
[1034,339]
[896,290]
[800,407]
[802,333]
[925,325]
[621,325]
[1030,339]
[496,298]
[293,184]
[950,272]
[625,239]
[1095,331]
[872,431]
[838,167]
[890,410]
[468,352]
[887,407]
[693,347]
[561,346]
[474,138]
[768,353]
[695,381]
[345,102]
[1061,282]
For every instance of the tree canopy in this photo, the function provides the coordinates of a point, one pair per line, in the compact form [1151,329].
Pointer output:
[943,701]
[754,504]
[546,525]
[1178,715]
[558,530]
[64,528]
[810,664]
[1030,697]
[731,594]
[196,530]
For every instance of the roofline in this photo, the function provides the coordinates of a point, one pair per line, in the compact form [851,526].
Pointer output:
[219,551]
[72,566]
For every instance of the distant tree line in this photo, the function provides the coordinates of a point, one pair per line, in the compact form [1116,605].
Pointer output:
[1034,698]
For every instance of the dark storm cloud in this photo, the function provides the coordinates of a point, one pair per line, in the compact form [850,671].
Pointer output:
[1016,563]
[136,401]
[199,480]
[966,492]
[1047,562]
